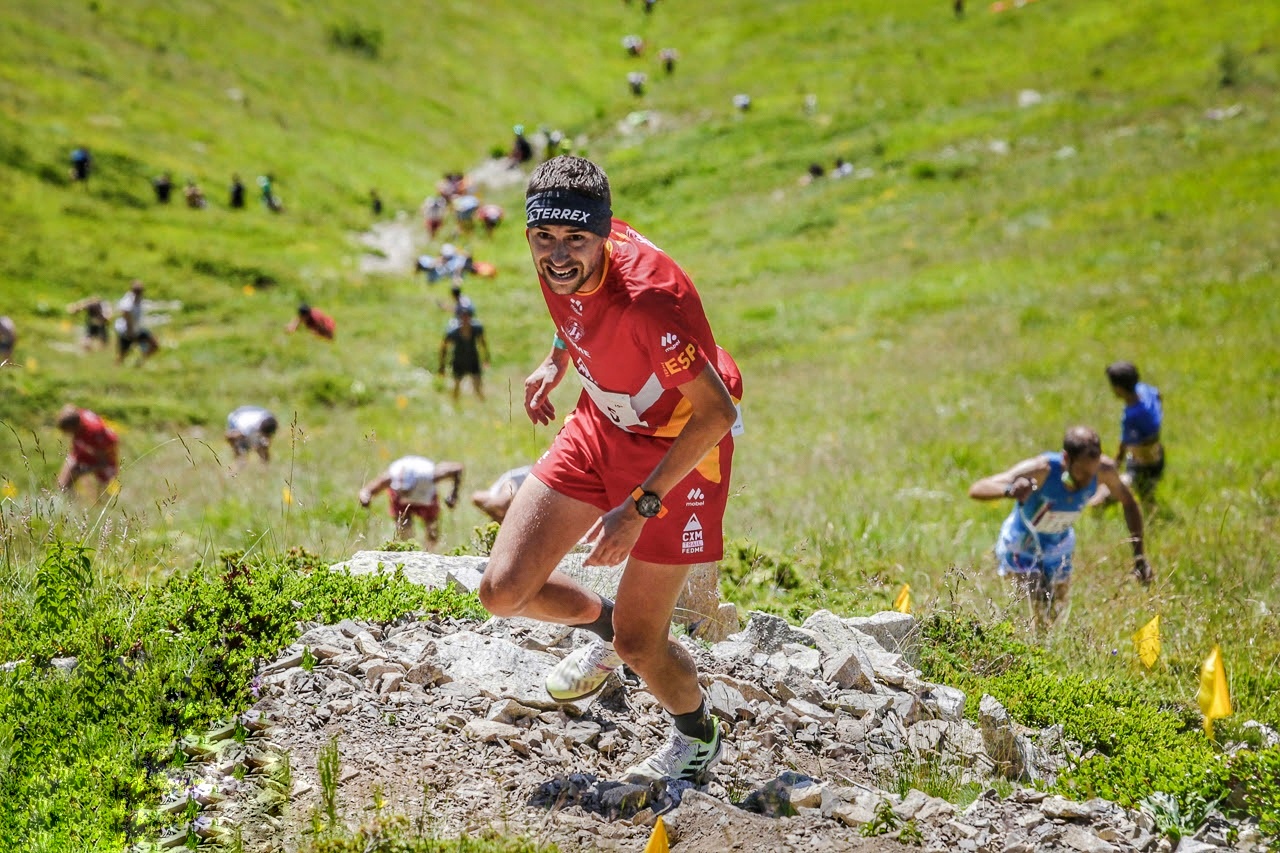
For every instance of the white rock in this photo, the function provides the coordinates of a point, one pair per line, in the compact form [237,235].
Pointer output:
[1079,838]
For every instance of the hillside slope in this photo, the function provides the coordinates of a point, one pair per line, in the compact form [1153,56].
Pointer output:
[1037,192]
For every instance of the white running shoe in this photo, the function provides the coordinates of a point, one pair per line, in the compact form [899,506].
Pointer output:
[681,757]
[583,672]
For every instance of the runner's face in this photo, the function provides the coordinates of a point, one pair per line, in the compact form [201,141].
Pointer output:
[1083,468]
[568,259]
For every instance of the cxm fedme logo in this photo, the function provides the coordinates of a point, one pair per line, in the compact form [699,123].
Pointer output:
[691,540]
[669,341]
[696,497]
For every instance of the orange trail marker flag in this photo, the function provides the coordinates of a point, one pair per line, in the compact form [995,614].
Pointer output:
[658,840]
[902,604]
[1214,698]
[1147,642]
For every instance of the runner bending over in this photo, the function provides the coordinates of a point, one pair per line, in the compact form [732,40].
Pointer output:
[1049,492]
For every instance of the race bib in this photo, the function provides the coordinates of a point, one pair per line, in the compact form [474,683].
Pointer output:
[1051,521]
[616,407]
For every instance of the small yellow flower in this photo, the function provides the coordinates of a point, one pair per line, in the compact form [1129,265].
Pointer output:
[248,290]
[9,490]
[402,402]
[32,364]
[403,358]
[113,488]
[65,325]
[287,496]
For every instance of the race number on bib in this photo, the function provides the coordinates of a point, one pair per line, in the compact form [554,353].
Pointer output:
[616,407]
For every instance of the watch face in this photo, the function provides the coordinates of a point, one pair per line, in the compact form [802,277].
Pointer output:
[648,505]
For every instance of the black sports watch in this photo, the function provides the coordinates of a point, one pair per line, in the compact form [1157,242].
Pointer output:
[648,504]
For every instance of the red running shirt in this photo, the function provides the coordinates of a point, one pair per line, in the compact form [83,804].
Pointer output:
[320,323]
[94,444]
[637,337]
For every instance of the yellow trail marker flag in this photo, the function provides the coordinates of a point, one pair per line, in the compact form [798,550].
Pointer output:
[1147,642]
[658,840]
[1214,698]
[902,603]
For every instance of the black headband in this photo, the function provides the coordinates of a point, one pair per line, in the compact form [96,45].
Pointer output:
[566,207]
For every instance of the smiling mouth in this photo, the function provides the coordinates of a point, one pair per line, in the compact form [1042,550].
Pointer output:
[557,274]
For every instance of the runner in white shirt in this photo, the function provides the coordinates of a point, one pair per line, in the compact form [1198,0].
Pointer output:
[410,482]
[495,500]
[250,429]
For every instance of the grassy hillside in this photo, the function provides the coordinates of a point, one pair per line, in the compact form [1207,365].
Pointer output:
[1044,190]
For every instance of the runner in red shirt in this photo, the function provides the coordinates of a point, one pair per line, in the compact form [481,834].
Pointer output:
[641,465]
[94,447]
[315,320]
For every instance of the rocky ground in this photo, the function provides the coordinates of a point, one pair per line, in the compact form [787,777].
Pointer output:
[448,723]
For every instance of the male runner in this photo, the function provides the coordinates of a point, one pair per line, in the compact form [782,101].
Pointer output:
[250,428]
[1050,491]
[131,327]
[641,465]
[94,447]
[1140,449]
[314,319]
[496,500]
[465,349]
[410,482]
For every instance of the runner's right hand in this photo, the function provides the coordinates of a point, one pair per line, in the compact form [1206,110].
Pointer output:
[537,393]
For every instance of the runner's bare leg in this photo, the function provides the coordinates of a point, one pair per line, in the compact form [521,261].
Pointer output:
[541,526]
[642,633]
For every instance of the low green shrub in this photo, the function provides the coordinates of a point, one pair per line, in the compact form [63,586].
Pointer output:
[747,569]
[1129,746]
[83,751]
[1255,788]
[358,38]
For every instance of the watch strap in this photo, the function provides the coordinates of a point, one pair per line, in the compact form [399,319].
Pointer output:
[639,492]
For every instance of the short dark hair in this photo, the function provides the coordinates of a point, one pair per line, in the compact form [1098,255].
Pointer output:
[269,425]
[1082,441]
[1123,375]
[69,418]
[304,308]
[568,172]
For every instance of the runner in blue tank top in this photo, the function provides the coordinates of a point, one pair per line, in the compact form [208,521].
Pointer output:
[1050,491]
[1141,451]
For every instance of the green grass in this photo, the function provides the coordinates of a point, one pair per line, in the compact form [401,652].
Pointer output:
[900,335]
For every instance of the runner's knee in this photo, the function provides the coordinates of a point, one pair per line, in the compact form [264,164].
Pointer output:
[501,599]
[639,650]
